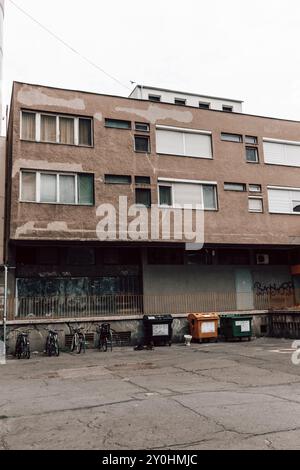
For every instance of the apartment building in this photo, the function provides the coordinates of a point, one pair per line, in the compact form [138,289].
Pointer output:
[70,152]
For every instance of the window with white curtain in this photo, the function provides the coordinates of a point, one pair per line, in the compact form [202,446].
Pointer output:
[177,194]
[183,142]
[57,188]
[28,126]
[59,129]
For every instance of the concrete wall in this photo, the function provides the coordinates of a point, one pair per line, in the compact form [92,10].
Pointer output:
[191,100]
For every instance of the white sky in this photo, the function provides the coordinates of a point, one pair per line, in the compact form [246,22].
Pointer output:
[232,48]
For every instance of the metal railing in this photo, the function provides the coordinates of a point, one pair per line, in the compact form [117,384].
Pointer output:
[121,305]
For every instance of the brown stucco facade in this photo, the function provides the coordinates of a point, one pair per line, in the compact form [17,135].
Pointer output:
[231,225]
[113,153]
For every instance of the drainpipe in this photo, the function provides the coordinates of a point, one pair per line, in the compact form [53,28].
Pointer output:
[5,312]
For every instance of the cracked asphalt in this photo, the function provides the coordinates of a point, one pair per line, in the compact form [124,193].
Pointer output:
[211,396]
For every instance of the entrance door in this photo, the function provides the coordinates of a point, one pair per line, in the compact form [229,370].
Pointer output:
[244,289]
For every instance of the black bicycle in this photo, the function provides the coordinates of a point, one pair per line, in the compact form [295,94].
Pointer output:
[104,337]
[78,341]
[52,345]
[22,346]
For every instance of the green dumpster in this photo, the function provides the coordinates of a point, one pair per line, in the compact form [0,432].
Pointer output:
[236,326]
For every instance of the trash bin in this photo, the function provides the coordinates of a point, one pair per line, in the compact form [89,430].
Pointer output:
[204,326]
[236,326]
[158,329]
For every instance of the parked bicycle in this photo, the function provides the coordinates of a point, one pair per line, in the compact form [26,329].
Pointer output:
[78,341]
[105,337]
[52,345]
[22,350]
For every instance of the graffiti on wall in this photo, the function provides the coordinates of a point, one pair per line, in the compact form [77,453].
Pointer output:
[273,289]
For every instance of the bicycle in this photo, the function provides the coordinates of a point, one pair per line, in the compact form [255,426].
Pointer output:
[52,345]
[22,346]
[78,341]
[105,337]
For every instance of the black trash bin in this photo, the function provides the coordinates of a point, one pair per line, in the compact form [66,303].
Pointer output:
[158,330]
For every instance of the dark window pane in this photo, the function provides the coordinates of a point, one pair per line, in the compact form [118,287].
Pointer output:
[204,105]
[165,196]
[142,144]
[117,124]
[86,189]
[142,180]
[85,132]
[249,139]
[140,126]
[180,102]
[143,196]
[117,179]
[155,98]
[170,256]
[251,154]
[228,109]
[81,256]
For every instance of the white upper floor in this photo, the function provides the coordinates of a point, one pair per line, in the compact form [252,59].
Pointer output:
[186,99]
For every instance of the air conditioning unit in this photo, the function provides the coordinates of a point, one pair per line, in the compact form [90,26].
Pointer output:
[262,259]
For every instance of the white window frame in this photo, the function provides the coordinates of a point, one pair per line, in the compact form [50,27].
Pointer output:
[184,131]
[38,187]
[251,185]
[262,205]
[57,116]
[172,183]
[285,188]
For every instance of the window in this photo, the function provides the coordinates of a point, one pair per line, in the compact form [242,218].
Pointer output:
[282,152]
[210,197]
[155,98]
[203,105]
[254,188]
[142,180]
[142,127]
[195,194]
[296,206]
[250,140]
[117,124]
[180,101]
[28,126]
[228,109]
[117,179]
[252,155]
[28,191]
[143,197]
[57,188]
[56,129]
[255,205]
[235,187]
[165,195]
[142,143]
[85,132]
[283,200]
[48,128]
[183,142]
[231,137]
[66,130]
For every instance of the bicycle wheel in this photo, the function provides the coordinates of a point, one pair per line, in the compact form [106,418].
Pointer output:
[47,349]
[104,343]
[79,345]
[56,348]
[27,352]
[74,343]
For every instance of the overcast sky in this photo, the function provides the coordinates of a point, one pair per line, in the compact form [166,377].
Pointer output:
[235,48]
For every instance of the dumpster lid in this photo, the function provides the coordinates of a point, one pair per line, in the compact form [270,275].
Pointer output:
[237,316]
[158,318]
[203,316]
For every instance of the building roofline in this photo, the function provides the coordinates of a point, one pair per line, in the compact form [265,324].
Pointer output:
[147,101]
[186,93]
